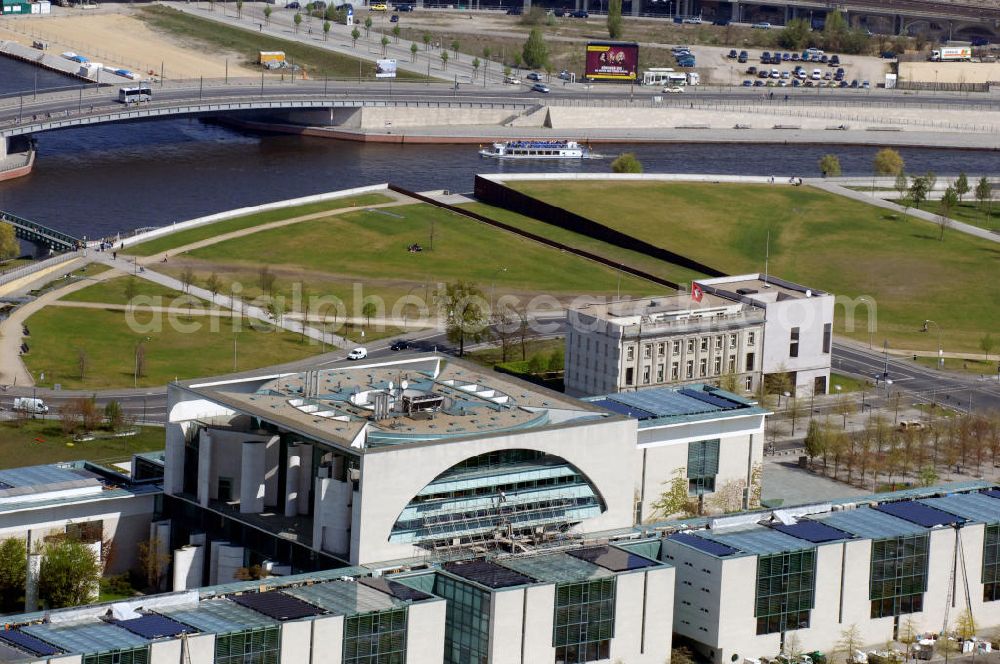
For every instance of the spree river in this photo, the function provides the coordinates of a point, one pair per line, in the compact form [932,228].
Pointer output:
[99,180]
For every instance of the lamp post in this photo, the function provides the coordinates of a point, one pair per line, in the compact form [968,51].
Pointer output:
[940,350]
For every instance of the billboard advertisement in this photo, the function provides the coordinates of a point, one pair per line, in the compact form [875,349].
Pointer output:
[385,68]
[612,61]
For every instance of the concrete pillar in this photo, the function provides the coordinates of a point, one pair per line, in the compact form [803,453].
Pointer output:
[31,583]
[527,5]
[252,477]
[173,471]
[305,476]
[204,467]
[272,467]
[637,7]
[230,559]
[292,472]
[3,146]
[188,564]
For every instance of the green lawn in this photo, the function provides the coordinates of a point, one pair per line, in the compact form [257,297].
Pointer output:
[846,383]
[845,247]
[975,367]
[370,247]
[967,212]
[633,259]
[35,442]
[173,352]
[217,37]
[182,238]
[113,291]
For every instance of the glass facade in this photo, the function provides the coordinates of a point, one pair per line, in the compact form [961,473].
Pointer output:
[702,466]
[377,637]
[467,621]
[786,591]
[991,563]
[253,646]
[584,620]
[898,575]
[130,656]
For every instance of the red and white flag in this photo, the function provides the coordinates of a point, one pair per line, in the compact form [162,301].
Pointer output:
[696,292]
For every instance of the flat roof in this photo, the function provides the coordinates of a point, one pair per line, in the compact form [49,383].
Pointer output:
[759,540]
[979,507]
[86,637]
[759,288]
[487,573]
[658,308]
[220,616]
[346,598]
[418,398]
[869,523]
[919,513]
[611,558]
[556,568]
[684,403]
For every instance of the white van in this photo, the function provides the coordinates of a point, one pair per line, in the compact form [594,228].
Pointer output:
[30,405]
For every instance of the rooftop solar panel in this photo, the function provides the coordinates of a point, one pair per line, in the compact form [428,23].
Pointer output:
[664,402]
[624,409]
[277,605]
[813,531]
[709,398]
[28,642]
[88,637]
[867,522]
[612,558]
[488,574]
[702,544]
[918,513]
[153,626]
[394,588]
[759,539]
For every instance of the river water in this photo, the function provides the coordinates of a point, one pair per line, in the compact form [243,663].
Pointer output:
[99,180]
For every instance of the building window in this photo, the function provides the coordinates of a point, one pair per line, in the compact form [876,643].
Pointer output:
[704,344]
[377,637]
[717,366]
[703,367]
[793,343]
[749,364]
[647,351]
[88,531]
[702,466]
[630,353]
[718,343]
[130,656]
[898,575]
[732,341]
[690,345]
[786,588]
[584,621]
[661,349]
[677,348]
[689,369]
[628,375]
[991,563]
[252,646]
[675,370]
[645,375]
[827,337]
[751,335]
[467,621]
[659,372]
[748,383]
[732,365]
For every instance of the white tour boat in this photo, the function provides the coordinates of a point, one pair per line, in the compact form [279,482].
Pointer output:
[539,150]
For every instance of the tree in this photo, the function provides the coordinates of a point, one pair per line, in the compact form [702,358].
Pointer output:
[427,40]
[626,163]
[239,8]
[326,29]
[413,51]
[187,278]
[13,573]
[297,19]
[444,60]
[984,191]
[535,52]
[961,186]
[901,184]
[908,632]
[368,26]
[154,557]
[931,180]
[368,310]
[829,165]
[517,60]
[887,161]
[816,439]
[82,361]
[918,191]
[850,640]
[267,14]
[948,202]
[986,344]
[466,313]
[9,245]
[615,19]
[681,656]
[385,45]
[355,33]
[69,574]
[557,360]
[266,279]
[674,500]
[213,284]
[835,31]
[728,496]
[793,408]
[537,365]
[396,32]
[475,68]
[114,415]
[455,44]
[131,289]
[796,34]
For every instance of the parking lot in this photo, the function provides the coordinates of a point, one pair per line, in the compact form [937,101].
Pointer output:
[811,69]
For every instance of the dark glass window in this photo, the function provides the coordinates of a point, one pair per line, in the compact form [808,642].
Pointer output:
[253,646]
[377,637]
[793,343]
[991,564]
[703,466]
[584,621]
[898,575]
[131,656]
[786,590]
[467,621]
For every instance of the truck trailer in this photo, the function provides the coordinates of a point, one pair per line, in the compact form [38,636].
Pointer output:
[952,54]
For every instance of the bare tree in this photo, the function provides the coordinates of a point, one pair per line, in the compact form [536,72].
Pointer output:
[213,284]
[187,278]
[82,360]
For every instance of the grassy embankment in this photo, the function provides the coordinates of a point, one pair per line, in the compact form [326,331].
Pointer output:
[32,442]
[845,247]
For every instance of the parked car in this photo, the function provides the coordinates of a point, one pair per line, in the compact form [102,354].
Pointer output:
[404,8]
[693,20]
[358,353]
[888,55]
[742,58]
[732,54]
[834,60]
[747,84]
[534,76]
[559,12]
[763,25]
[378,7]
[980,41]
[817,75]
[515,11]
[752,70]
[293,5]
[765,57]
[673,89]
[565,75]
[866,85]
[721,21]
[796,57]
[540,87]
[854,83]
[758,84]
[394,18]
[580,13]
[512,80]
